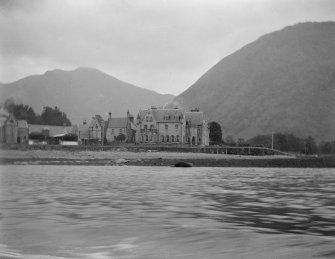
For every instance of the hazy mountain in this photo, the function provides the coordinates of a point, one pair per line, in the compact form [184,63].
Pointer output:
[282,82]
[82,93]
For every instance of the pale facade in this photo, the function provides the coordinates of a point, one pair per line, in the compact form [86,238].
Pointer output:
[96,128]
[197,131]
[22,132]
[13,131]
[159,126]
[171,126]
[10,130]
[116,127]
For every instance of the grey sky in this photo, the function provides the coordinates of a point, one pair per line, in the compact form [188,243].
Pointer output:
[157,44]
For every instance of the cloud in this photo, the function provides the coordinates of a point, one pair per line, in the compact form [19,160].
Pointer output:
[158,44]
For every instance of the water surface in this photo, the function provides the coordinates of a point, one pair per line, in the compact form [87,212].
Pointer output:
[160,212]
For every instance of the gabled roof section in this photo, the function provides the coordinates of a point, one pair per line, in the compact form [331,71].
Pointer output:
[167,115]
[141,114]
[53,130]
[22,124]
[83,128]
[9,118]
[195,118]
[117,122]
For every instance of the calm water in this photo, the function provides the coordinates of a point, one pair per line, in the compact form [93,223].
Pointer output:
[155,212]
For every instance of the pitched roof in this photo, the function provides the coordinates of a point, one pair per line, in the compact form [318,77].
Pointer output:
[195,118]
[97,119]
[117,122]
[163,115]
[10,117]
[53,130]
[167,115]
[22,124]
[141,114]
[83,128]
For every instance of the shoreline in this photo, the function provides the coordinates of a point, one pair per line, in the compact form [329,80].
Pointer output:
[123,158]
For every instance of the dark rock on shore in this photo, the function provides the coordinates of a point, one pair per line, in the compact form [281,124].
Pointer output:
[183,164]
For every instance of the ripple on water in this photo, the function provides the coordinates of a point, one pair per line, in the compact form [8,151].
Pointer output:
[155,212]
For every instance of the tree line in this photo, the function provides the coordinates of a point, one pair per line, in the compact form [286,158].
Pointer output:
[286,142]
[49,116]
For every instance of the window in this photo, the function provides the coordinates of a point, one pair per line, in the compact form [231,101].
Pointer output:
[162,138]
[112,131]
[166,126]
[145,127]
[172,138]
[146,138]
[120,130]
[176,126]
[151,127]
[177,138]
[150,138]
[167,138]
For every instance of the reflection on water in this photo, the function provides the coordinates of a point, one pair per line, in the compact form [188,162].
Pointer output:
[154,212]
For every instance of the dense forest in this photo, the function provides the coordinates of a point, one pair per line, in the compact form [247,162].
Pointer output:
[49,116]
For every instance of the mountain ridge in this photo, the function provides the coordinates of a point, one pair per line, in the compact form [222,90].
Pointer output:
[268,84]
[81,93]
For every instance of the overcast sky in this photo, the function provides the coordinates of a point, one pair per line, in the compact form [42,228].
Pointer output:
[161,45]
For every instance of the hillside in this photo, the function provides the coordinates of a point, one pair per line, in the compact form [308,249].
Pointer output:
[81,93]
[282,82]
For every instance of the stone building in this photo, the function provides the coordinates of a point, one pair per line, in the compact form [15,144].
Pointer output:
[171,126]
[118,127]
[96,128]
[22,131]
[196,128]
[13,131]
[83,132]
[160,126]
[9,130]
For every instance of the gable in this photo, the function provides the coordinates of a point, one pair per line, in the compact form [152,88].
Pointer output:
[117,122]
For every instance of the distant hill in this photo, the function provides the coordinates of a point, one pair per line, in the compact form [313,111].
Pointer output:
[81,93]
[282,82]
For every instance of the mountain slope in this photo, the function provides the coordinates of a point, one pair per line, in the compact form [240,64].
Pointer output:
[81,93]
[282,82]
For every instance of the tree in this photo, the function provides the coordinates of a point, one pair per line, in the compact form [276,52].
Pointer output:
[215,133]
[261,140]
[22,112]
[54,116]
[241,142]
[326,147]
[229,140]
[121,137]
[49,116]
[310,146]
